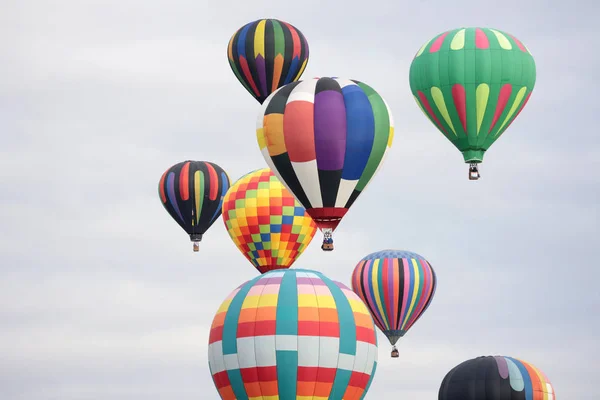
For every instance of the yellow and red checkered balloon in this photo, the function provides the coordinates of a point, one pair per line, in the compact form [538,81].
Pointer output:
[265,221]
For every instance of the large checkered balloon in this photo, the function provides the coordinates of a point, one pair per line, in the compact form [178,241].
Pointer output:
[292,334]
[265,222]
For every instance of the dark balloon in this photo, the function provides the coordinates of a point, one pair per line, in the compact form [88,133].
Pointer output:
[496,378]
[192,192]
[267,54]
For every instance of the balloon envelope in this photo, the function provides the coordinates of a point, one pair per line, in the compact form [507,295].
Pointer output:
[267,54]
[292,334]
[265,221]
[325,139]
[397,287]
[192,193]
[496,378]
[472,83]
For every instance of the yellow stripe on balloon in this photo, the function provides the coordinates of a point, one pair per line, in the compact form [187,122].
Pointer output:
[390,137]
[376,292]
[422,49]
[197,193]
[541,378]
[413,300]
[438,99]
[458,42]
[518,99]
[481,99]
[259,39]
[502,40]
[230,48]
[260,137]
[301,70]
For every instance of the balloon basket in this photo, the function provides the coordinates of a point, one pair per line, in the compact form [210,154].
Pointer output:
[327,246]
[196,247]
[473,172]
[395,352]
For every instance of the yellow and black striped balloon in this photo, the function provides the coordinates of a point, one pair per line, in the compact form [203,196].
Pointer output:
[267,54]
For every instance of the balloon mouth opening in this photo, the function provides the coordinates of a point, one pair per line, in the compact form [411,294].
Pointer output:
[474,172]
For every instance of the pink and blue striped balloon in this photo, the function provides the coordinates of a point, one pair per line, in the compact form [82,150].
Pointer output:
[397,287]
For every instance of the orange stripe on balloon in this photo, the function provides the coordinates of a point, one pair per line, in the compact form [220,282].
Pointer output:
[437,44]
[184,182]
[536,384]
[460,103]
[277,68]
[503,97]
[425,102]
[212,181]
[161,187]
[248,75]
[230,48]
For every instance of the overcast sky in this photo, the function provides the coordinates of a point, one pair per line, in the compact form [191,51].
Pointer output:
[101,296]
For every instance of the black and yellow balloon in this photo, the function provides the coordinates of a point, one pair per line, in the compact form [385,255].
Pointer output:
[267,54]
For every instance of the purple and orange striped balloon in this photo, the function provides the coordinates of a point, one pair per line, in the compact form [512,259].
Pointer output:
[397,287]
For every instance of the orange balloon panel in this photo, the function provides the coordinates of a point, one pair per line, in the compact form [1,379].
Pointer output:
[266,222]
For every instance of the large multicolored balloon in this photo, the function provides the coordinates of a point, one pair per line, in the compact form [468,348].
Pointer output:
[325,139]
[267,54]
[292,334]
[472,83]
[192,192]
[265,221]
[397,287]
[496,378]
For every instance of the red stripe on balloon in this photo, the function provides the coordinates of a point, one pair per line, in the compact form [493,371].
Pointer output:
[212,181]
[184,182]
[425,102]
[161,187]
[460,103]
[503,97]
[437,44]
[248,75]
[518,42]
[295,40]
[481,40]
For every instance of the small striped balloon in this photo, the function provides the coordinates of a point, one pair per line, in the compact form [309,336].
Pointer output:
[192,193]
[267,54]
[397,287]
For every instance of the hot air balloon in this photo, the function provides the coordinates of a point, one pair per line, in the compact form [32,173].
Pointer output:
[265,221]
[397,287]
[472,83]
[325,139]
[292,334]
[192,192]
[496,378]
[267,54]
